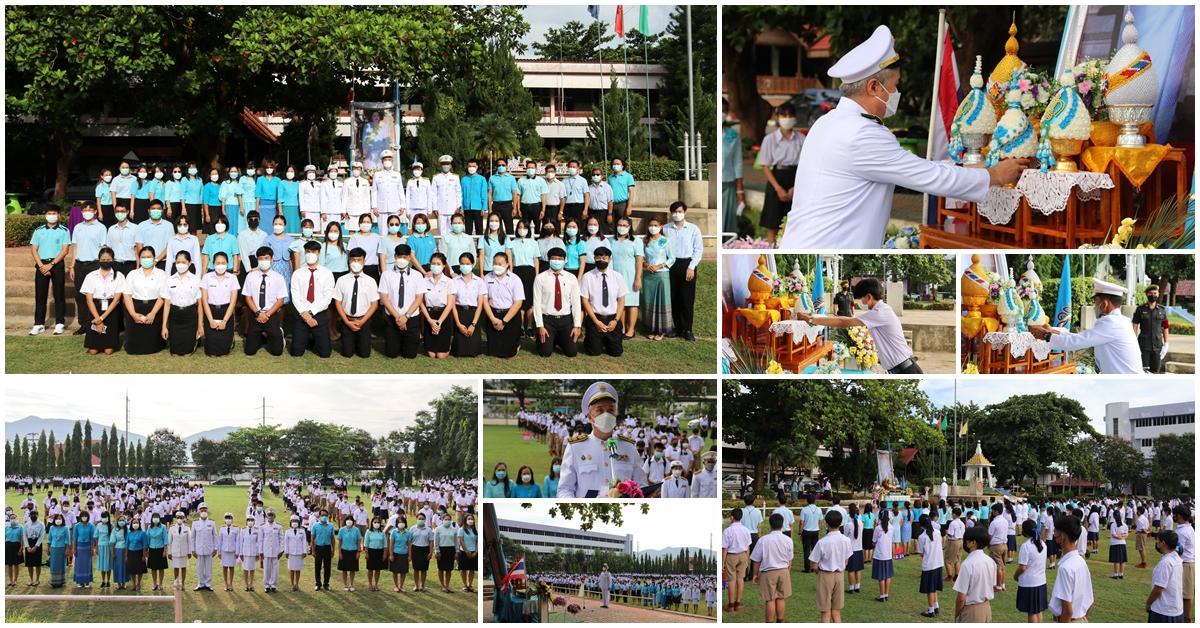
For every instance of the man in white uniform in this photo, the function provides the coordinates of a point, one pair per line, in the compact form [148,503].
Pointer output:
[388,190]
[1111,337]
[588,463]
[447,193]
[605,586]
[851,163]
[204,548]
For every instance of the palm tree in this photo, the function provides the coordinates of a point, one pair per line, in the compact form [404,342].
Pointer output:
[495,136]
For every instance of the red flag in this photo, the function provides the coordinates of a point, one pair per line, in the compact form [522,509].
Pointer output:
[619,23]
[947,100]
[349,96]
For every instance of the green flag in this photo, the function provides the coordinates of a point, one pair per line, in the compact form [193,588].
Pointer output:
[644,19]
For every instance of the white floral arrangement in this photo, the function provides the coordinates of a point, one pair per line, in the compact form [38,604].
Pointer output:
[905,238]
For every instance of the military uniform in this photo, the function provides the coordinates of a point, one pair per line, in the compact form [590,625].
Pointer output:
[204,545]
[1111,338]
[704,483]
[272,549]
[1151,322]
[588,466]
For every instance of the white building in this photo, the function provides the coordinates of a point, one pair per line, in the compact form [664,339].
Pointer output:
[1141,425]
[543,539]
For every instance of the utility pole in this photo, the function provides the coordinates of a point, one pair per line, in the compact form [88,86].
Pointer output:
[264,411]
[691,93]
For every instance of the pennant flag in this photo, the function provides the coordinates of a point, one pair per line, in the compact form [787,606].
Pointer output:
[619,22]
[350,97]
[945,101]
[644,20]
[942,423]
[962,431]
[517,572]
[818,290]
[594,11]
[1062,309]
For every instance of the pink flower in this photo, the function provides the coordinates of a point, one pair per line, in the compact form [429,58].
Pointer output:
[1085,87]
[1023,84]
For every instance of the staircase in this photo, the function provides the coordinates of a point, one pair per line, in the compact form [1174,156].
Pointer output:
[19,293]
[1181,362]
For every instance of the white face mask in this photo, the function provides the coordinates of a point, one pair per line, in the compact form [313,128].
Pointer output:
[678,216]
[494,226]
[417,172]
[219,227]
[436,269]
[606,422]
[334,236]
[526,478]
[891,104]
[654,230]
[550,175]
[572,171]
[182,267]
[387,164]
[87,216]
[676,473]
[311,176]
[264,265]
[158,175]
[593,229]
[356,267]
[204,515]
[214,177]
[279,229]
[52,219]
[402,263]
[290,175]
[220,268]
[500,270]
[181,229]
[356,172]
[106,178]
[311,258]
[787,123]
[472,169]
[270,171]
[177,175]
[622,230]
[142,175]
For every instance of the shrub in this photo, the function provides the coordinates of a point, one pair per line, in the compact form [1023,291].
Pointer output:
[653,170]
[928,305]
[1081,289]
[1183,329]
[18,229]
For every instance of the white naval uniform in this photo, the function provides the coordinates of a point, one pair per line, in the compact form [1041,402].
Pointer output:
[447,198]
[227,542]
[586,461]
[673,487]
[356,198]
[249,548]
[848,170]
[704,483]
[1112,339]
[310,202]
[272,547]
[605,587]
[295,545]
[390,200]
[204,543]
[331,202]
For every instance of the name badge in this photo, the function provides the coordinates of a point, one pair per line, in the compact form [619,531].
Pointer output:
[103,305]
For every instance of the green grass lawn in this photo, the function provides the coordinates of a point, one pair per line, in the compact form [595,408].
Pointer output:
[503,443]
[1116,600]
[241,607]
[45,354]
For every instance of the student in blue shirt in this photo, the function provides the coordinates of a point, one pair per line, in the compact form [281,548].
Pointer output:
[376,543]
[576,249]
[524,485]
[192,188]
[468,553]
[322,549]
[48,246]
[158,191]
[348,540]
[550,482]
[266,194]
[422,243]
[622,184]
[210,200]
[499,485]
[155,232]
[532,190]
[502,188]
[289,199]
[158,537]
[104,198]
[474,197]
[140,192]
[400,542]
[231,201]
[687,247]
[58,535]
[83,544]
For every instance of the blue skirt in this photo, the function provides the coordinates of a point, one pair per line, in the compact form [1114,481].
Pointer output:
[1093,536]
[856,561]
[1012,542]
[83,563]
[1032,600]
[1117,554]
[1052,548]
[266,211]
[103,557]
[58,566]
[119,574]
[882,569]
[291,213]
[931,581]
[1156,618]
[906,532]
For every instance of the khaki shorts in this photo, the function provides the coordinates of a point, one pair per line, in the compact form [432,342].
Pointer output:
[735,566]
[997,552]
[774,585]
[831,591]
[1189,581]
[953,553]
[1140,545]
[975,614]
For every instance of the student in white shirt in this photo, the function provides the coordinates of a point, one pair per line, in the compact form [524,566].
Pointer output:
[1142,529]
[929,546]
[998,542]
[852,527]
[894,353]
[881,562]
[1072,598]
[829,558]
[1165,602]
[356,297]
[954,543]
[771,566]
[312,291]
[1031,573]
[1181,516]
[1117,552]
[976,582]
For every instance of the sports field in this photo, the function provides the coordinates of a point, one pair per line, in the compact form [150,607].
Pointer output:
[241,607]
[1116,600]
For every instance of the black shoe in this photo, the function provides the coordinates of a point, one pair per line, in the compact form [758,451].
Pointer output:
[687,335]
[929,614]
[79,332]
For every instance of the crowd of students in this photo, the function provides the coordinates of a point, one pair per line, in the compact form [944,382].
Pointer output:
[1059,535]
[684,593]
[183,264]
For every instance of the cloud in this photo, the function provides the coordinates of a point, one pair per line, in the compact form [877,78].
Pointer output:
[656,529]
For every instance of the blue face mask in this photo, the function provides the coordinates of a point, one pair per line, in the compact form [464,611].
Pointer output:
[501,169]
[501,474]
[558,264]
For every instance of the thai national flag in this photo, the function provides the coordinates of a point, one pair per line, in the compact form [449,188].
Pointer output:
[517,572]
[946,100]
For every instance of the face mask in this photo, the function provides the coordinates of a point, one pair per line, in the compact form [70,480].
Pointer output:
[220,227]
[324,518]
[420,523]
[402,263]
[572,171]
[106,265]
[375,526]
[154,520]
[787,123]
[421,227]
[551,176]
[356,267]
[182,267]
[177,175]
[401,526]
[676,473]
[456,228]
[88,216]
[204,515]
[617,167]
[311,176]
[658,455]
[146,262]
[654,230]
[106,178]
[678,216]
[155,214]
[494,226]
[121,216]
[334,236]
[501,169]
[622,230]
[264,264]
[708,466]
[1152,298]
[593,229]
[252,223]
[595,178]
[193,171]
[436,269]
[499,270]
[466,268]
[332,176]
[213,177]
[472,169]
[557,264]
[523,233]
[531,172]
[279,229]
[602,264]
[295,524]
[393,229]
[311,258]
[364,227]
[233,176]
[445,167]
[891,104]
[142,175]
[605,422]
[181,229]
[417,172]
[571,231]
[52,218]
[501,474]
[125,172]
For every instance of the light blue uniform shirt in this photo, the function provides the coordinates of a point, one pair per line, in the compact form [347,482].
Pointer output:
[141,188]
[658,251]
[50,240]
[400,540]
[88,238]
[322,533]
[468,539]
[155,235]
[523,251]
[267,188]
[122,186]
[193,190]
[810,517]
[422,536]
[337,261]
[620,184]
[104,193]
[249,185]
[173,191]
[157,536]
[576,187]
[230,193]
[157,188]
[731,155]
[474,192]
[686,242]
[218,243]
[423,247]
[492,246]
[532,189]
[502,187]
[289,193]
[375,539]
[752,518]
[349,538]
[212,194]
[122,240]
[574,250]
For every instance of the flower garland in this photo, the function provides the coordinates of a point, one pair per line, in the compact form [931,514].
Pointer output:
[748,243]
[905,238]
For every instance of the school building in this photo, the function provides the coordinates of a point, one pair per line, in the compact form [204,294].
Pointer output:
[543,539]
[1140,425]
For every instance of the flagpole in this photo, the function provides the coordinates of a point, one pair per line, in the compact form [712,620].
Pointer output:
[933,108]
[646,72]
[603,115]
[691,93]
[628,134]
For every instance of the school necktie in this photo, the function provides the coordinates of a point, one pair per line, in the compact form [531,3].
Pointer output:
[312,286]
[557,293]
[354,298]
[604,289]
[262,293]
[400,297]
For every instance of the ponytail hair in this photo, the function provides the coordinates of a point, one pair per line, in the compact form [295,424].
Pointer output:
[926,525]
[1029,531]
[883,519]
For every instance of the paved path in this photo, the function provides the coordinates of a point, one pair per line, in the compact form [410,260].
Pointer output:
[619,614]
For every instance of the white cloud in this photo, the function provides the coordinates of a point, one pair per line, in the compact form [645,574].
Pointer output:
[659,528]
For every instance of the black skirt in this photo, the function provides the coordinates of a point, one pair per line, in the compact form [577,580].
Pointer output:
[856,561]
[526,274]
[143,339]
[467,563]
[1117,554]
[348,561]
[12,553]
[773,209]
[420,558]
[34,558]
[445,559]
[141,210]
[1032,600]
[195,215]
[181,329]
[111,338]
[931,580]
[134,563]
[375,560]
[399,563]
[506,342]
[438,343]
[467,346]
[218,341]
[157,559]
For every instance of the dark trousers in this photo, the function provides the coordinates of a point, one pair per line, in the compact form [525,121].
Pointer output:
[753,542]
[82,313]
[596,342]
[324,556]
[401,342]
[315,338]
[269,333]
[1150,359]
[572,210]
[503,209]
[683,296]
[912,368]
[42,284]
[357,342]
[558,329]
[473,221]
[552,214]
[531,212]
[808,539]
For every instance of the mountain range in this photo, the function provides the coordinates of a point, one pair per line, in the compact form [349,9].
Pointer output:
[62,427]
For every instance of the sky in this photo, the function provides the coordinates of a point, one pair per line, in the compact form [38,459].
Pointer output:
[664,526]
[1092,393]
[376,404]
[543,17]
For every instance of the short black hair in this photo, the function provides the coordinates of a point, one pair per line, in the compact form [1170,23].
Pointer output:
[786,107]
[556,252]
[252,214]
[1068,525]
[156,203]
[403,249]
[358,252]
[868,285]
[776,521]
[1113,299]
[979,535]
[602,251]
[312,246]
[833,518]
[264,251]
[1169,537]
[736,513]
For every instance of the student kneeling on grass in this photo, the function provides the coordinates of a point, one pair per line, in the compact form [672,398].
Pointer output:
[401,291]
[976,581]
[356,297]
[264,291]
[771,566]
[878,317]
[556,307]
[603,298]
[830,557]
[312,291]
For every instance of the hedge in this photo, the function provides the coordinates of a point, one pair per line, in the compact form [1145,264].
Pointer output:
[653,170]
[929,305]
[18,229]
[1081,289]
[1183,329]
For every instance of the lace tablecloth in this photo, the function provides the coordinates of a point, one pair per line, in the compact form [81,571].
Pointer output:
[1019,343]
[798,329]
[1047,192]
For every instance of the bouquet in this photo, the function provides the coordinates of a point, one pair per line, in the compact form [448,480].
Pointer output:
[630,489]
[1092,81]
[971,369]
[841,352]
[789,285]
[748,243]
[905,238]
[863,350]
[1036,90]
[828,367]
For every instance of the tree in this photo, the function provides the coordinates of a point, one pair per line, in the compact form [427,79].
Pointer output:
[41,467]
[86,458]
[917,269]
[8,453]
[1123,464]
[617,125]
[169,451]
[123,463]
[1025,434]
[104,453]
[451,418]
[1173,465]
[672,106]
[263,444]
[135,461]
[51,456]
[148,458]
[496,138]
[574,41]
[216,457]
[113,455]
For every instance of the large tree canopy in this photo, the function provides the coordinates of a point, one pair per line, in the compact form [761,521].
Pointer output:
[1025,435]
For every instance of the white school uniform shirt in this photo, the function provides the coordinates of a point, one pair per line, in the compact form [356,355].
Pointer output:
[885,328]
[182,290]
[930,550]
[1168,574]
[1093,524]
[1187,542]
[447,193]
[368,293]
[1034,561]
[998,530]
[323,288]
[592,289]
[856,540]
[955,529]
[832,552]
[976,578]
[735,539]
[1112,340]
[1143,524]
[414,285]
[141,287]
[1072,584]
[773,551]
[356,197]
[103,287]
[1117,529]
[882,540]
